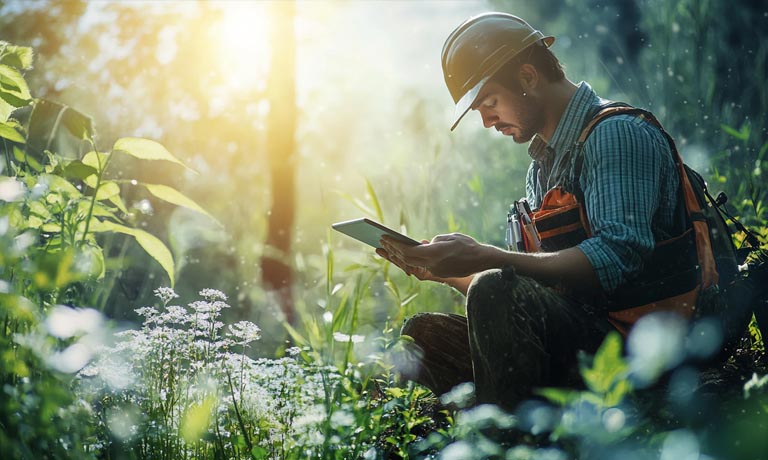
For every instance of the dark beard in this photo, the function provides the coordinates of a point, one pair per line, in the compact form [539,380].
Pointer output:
[530,116]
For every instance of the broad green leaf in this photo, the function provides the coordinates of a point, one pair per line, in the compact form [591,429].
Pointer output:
[78,170]
[118,201]
[157,250]
[107,189]
[154,247]
[195,421]
[16,56]
[13,87]
[145,149]
[34,222]
[89,262]
[173,196]
[395,392]
[559,396]
[58,184]
[608,366]
[19,155]
[17,307]
[95,160]
[51,227]
[99,209]
[9,132]
[39,209]
[259,453]
[5,109]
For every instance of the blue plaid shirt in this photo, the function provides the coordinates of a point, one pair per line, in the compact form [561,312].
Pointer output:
[629,181]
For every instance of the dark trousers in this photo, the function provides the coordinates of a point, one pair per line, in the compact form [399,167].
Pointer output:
[518,335]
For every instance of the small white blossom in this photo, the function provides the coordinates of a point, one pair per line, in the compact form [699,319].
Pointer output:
[213,294]
[293,351]
[245,331]
[165,294]
[339,337]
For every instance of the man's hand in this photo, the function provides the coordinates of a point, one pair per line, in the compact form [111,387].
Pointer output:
[422,273]
[446,256]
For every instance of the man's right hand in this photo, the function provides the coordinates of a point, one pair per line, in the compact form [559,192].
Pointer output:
[423,273]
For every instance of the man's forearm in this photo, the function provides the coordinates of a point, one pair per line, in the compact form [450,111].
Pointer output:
[569,267]
[460,284]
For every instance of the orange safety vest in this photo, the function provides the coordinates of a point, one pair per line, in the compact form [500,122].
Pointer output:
[677,269]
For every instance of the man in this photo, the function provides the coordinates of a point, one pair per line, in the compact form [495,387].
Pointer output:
[528,314]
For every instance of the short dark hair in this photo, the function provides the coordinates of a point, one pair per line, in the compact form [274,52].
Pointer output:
[538,56]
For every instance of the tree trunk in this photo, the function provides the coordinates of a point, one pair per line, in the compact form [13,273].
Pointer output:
[276,263]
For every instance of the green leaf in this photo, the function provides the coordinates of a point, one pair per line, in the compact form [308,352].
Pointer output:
[78,170]
[118,201]
[395,392]
[173,196]
[157,250]
[196,418]
[39,209]
[608,368]
[13,87]
[57,184]
[742,135]
[150,243]
[299,339]
[145,149]
[374,200]
[99,209]
[259,453]
[559,396]
[107,189]
[16,56]
[9,132]
[89,262]
[95,160]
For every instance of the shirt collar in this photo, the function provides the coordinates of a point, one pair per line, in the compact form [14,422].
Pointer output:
[570,125]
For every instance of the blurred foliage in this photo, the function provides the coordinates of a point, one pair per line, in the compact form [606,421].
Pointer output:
[154,70]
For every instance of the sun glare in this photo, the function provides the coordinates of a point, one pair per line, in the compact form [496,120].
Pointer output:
[245,51]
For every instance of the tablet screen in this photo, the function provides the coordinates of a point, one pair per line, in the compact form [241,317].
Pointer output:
[370,232]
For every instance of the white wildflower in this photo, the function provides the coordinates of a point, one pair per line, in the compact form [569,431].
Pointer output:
[342,418]
[176,314]
[149,313]
[213,294]
[201,306]
[293,351]
[245,331]
[340,337]
[65,322]
[165,294]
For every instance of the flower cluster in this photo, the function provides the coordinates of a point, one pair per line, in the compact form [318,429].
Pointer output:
[182,359]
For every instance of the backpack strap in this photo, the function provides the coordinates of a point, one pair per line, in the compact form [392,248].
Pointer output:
[709,275]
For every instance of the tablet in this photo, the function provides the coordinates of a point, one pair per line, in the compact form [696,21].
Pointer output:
[370,232]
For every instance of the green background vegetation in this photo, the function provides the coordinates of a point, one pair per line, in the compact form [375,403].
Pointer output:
[146,162]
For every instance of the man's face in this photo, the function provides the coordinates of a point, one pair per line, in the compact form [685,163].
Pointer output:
[511,114]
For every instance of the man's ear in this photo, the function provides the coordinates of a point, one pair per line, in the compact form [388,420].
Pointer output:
[529,77]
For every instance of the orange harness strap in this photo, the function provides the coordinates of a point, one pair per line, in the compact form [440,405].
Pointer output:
[709,275]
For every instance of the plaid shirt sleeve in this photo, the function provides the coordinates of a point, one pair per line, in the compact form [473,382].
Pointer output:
[625,161]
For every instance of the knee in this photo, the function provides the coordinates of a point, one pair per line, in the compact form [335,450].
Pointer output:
[488,288]
[416,325]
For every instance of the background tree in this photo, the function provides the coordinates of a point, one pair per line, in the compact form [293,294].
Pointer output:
[276,264]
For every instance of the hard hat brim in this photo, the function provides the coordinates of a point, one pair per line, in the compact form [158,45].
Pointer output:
[469,98]
[466,101]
